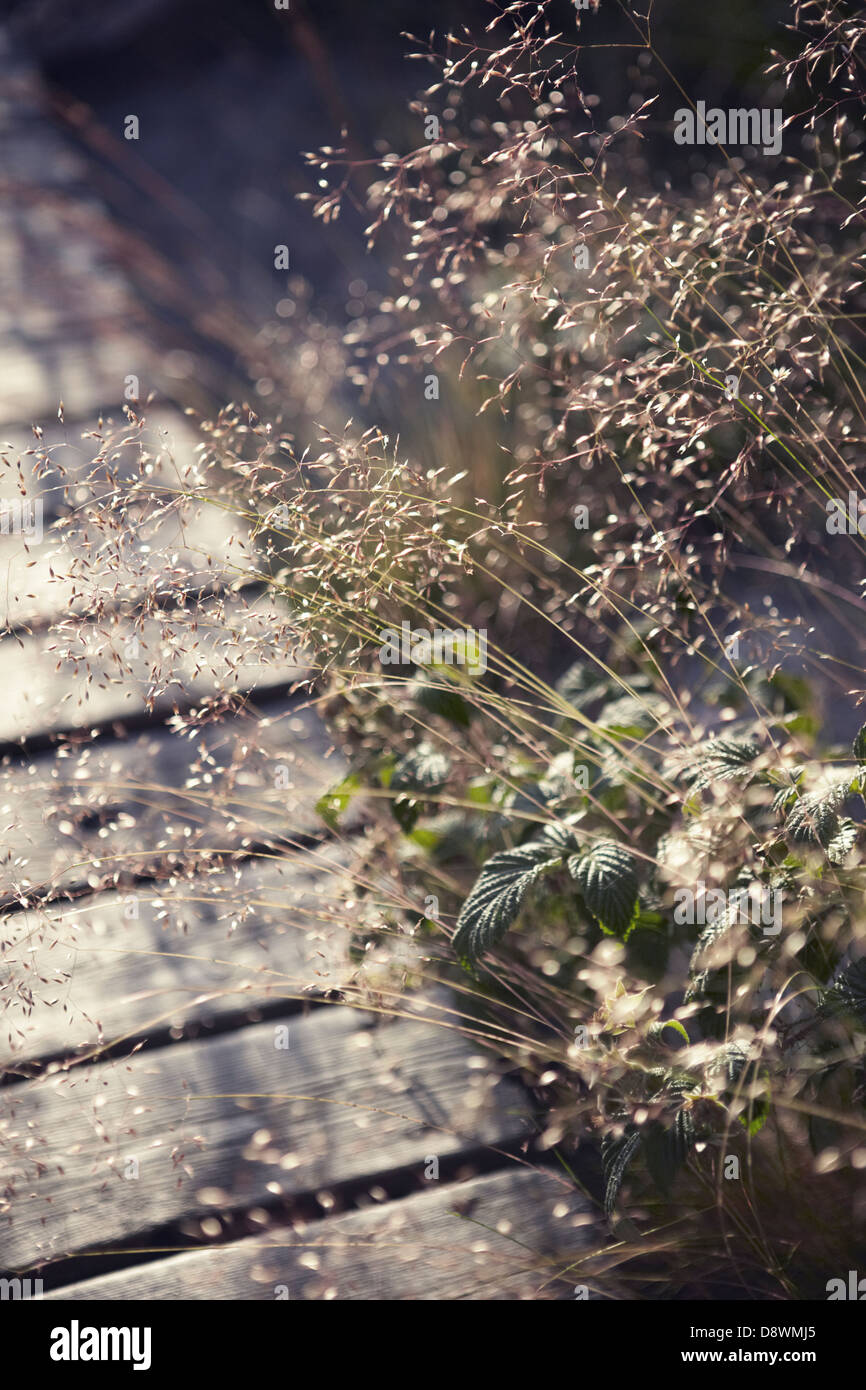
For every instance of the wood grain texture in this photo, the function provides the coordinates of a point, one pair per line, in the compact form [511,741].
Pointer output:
[84,563]
[510,1235]
[41,581]
[233,1122]
[55,349]
[134,965]
[67,327]
[80,676]
[96,814]
[48,30]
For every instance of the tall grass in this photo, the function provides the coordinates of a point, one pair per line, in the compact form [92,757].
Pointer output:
[678,678]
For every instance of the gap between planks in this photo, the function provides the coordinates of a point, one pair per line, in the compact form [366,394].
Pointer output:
[115,968]
[510,1235]
[236,1121]
[81,564]
[95,815]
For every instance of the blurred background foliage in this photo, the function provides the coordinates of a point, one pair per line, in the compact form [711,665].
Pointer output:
[230,92]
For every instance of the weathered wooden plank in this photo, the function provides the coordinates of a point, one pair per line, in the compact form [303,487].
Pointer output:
[54,277]
[118,966]
[508,1236]
[71,327]
[234,1122]
[82,675]
[73,462]
[65,326]
[50,32]
[81,375]
[83,563]
[35,158]
[64,573]
[99,813]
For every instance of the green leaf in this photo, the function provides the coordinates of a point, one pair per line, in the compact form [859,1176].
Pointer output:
[788,792]
[425,838]
[745,1076]
[655,1032]
[423,770]
[480,791]
[561,835]
[696,989]
[757,1113]
[633,716]
[664,1081]
[560,780]
[843,841]
[650,919]
[448,704]
[405,810]
[496,899]
[616,1155]
[667,1147]
[608,880]
[847,993]
[860,746]
[799,724]
[730,1060]
[332,804]
[713,932]
[723,760]
[579,686]
[815,816]
[386,770]
[795,690]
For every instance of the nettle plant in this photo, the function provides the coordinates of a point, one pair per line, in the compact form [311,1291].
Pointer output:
[604,863]
[714,1057]
[760,1008]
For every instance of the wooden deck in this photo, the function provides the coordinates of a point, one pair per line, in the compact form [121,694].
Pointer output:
[189,1110]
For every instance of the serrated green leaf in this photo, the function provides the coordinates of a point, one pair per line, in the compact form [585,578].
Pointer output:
[332,804]
[744,1075]
[422,771]
[425,838]
[560,780]
[667,1147]
[632,716]
[562,835]
[843,841]
[712,933]
[789,790]
[578,685]
[480,792]
[755,1117]
[498,895]
[815,816]
[425,768]
[616,1155]
[608,881]
[722,760]
[847,993]
[731,1061]
[697,987]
